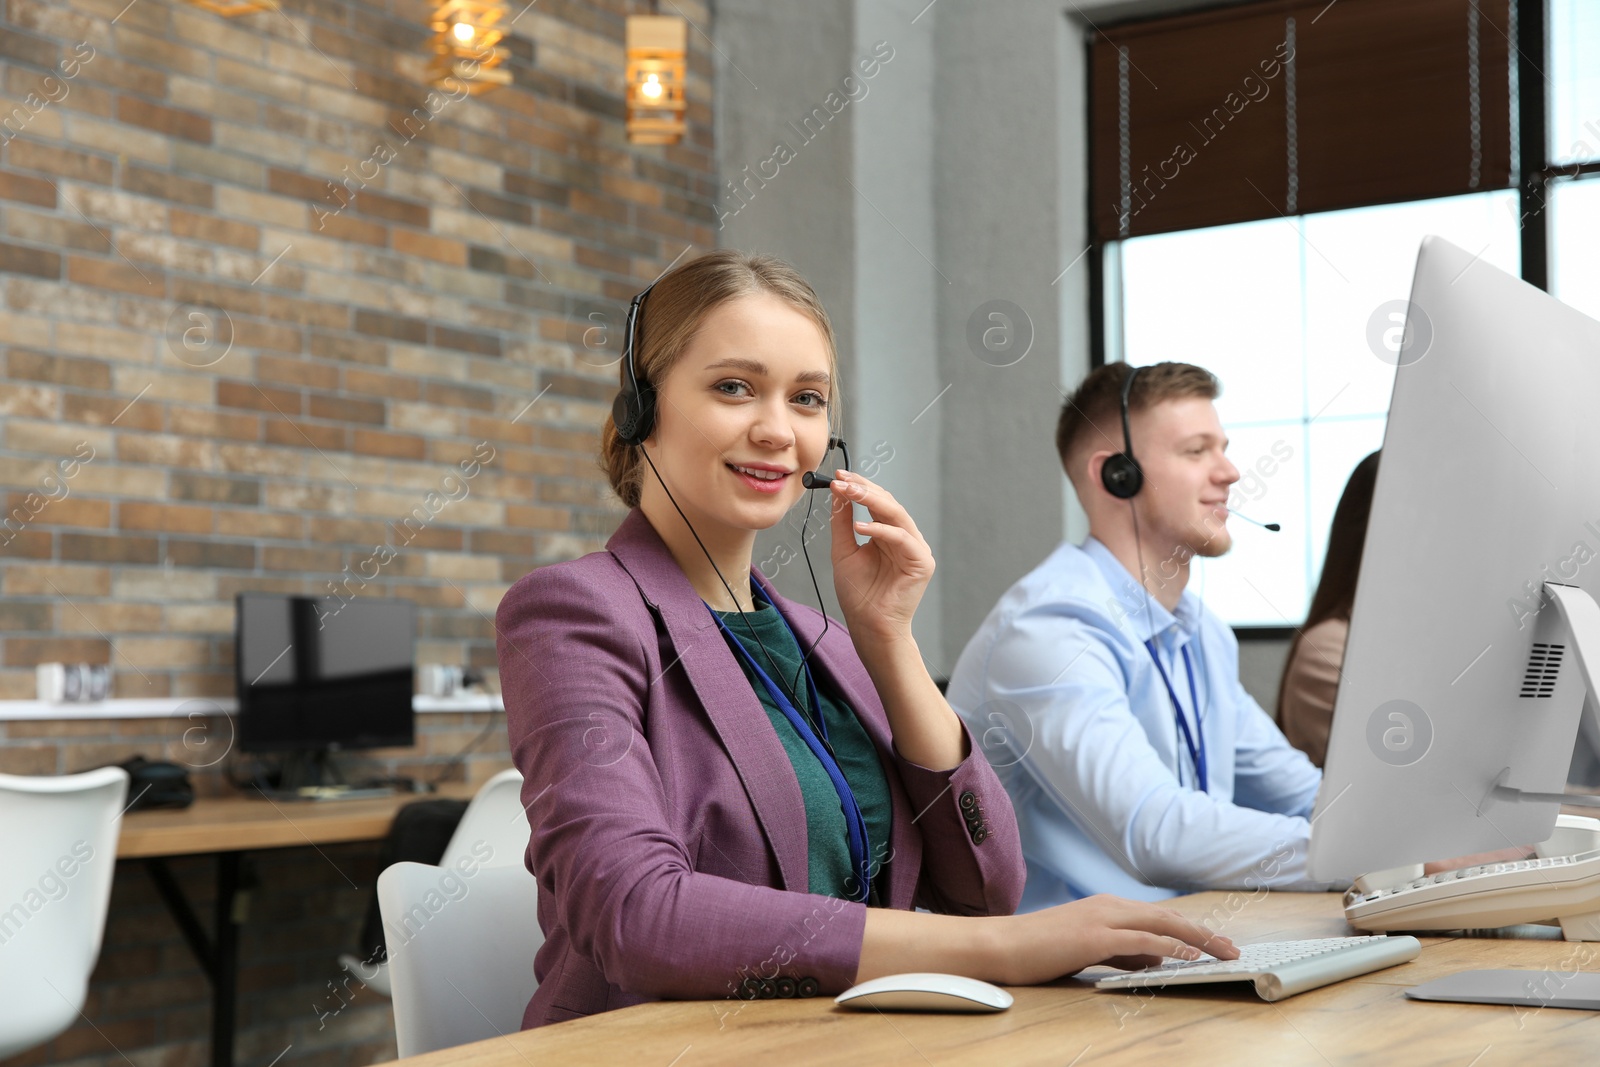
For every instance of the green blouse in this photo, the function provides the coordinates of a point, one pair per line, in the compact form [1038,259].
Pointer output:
[827,840]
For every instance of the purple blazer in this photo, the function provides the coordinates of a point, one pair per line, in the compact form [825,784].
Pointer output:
[668,829]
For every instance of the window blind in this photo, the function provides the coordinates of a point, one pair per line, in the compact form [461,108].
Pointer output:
[1281,108]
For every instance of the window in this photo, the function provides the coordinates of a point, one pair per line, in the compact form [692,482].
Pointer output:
[1283,312]
[1295,301]
[1574,33]
[1575,244]
[1574,210]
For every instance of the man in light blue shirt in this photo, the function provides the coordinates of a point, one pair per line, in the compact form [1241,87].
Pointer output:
[1137,763]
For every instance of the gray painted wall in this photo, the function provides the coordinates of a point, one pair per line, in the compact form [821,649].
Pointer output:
[775,64]
[896,431]
[1010,219]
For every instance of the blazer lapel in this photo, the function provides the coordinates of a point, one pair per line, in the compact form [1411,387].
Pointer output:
[858,692]
[727,697]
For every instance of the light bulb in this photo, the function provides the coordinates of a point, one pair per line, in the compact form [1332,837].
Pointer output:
[463,31]
[651,87]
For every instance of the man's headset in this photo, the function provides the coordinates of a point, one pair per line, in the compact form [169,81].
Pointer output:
[1122,478]
[1120,474]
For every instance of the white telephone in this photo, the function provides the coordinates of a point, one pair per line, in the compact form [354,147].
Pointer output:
[1562,885]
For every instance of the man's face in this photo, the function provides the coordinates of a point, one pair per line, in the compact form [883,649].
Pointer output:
[1180,446]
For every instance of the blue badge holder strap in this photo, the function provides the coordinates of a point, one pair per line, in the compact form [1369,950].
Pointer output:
[1197,751]
[855,822]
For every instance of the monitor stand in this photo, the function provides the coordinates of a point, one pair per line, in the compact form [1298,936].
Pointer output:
[313,774]
[1580,628]
[1568,893]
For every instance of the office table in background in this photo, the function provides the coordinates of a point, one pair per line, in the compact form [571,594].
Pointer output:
[1363,1020]
[229,827]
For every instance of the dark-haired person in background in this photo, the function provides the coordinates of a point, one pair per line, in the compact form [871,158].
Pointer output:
[1311,674]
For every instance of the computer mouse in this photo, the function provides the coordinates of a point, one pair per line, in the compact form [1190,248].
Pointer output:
[925,991]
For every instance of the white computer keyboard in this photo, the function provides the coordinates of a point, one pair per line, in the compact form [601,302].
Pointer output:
[1488,895]
[1279,968]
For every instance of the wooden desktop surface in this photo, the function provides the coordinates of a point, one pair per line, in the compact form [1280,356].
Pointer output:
[241,822]
[1365,1020]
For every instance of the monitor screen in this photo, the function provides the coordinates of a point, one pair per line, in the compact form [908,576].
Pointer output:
[323,673]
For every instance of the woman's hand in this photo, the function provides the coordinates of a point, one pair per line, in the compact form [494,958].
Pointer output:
[1100,930]
[880,583]
[1040,946]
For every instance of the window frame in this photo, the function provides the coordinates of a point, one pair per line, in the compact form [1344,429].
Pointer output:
[1537,174]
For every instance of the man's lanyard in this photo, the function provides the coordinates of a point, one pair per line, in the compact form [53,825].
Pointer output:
[1197,752]
[855,823]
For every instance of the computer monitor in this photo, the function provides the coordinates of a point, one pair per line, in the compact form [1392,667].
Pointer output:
[1462,684]
[321,673]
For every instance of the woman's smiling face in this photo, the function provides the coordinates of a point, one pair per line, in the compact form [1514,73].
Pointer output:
[743,413]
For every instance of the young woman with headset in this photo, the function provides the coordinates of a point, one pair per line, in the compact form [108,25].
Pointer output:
[728,795]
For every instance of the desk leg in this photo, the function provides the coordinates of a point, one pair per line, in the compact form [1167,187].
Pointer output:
[225,960]
[220,958]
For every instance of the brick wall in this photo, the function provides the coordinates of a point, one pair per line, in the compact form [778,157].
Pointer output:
[263,295]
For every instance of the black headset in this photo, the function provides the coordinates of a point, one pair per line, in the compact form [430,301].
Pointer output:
[634,409]
[1120,474]
[1123,479]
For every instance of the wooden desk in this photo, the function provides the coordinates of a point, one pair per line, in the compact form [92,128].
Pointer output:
[1359,1021]
[237,823]
[228,827]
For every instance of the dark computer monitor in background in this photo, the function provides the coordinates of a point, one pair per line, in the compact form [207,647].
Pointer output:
[317,675]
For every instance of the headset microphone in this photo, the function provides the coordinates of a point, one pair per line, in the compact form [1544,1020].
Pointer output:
[821,480]
[1274,527]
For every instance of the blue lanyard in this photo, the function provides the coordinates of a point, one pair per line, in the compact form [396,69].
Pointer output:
[855,823]
[1197,752]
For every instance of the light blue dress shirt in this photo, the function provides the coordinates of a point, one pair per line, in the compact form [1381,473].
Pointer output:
[1060,691]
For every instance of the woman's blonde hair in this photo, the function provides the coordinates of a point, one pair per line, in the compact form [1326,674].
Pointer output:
[671,315]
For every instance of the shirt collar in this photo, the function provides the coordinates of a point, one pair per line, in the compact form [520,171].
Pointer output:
[1184,622]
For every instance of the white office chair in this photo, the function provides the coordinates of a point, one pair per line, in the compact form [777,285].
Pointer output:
[494,832]
[494,823]
[460,952]
[58,851]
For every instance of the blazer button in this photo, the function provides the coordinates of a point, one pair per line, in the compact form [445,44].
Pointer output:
[769,989]
[980,835]
[750,989]
[807,987]
[787,988]
[968,801]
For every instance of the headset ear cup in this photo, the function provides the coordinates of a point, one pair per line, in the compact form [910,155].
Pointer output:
[1121,476]
[647,413]
[622,414]
[634,413]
